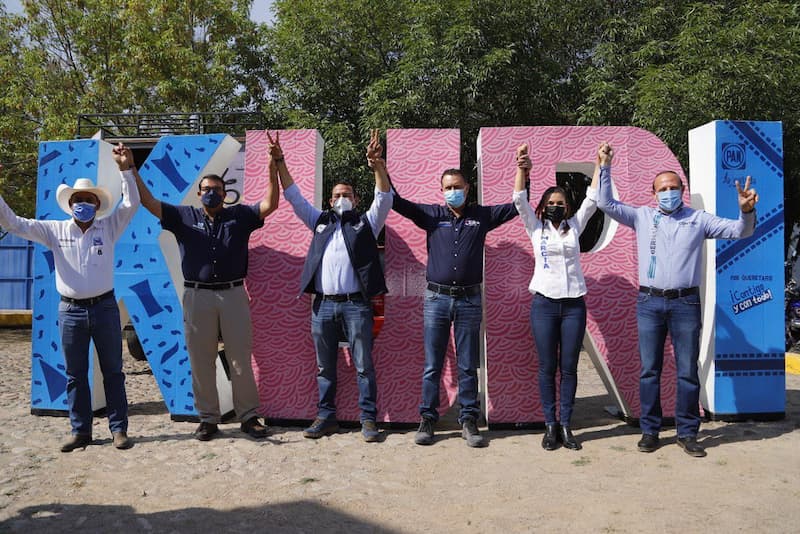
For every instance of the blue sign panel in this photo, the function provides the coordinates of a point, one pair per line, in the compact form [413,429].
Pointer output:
[749,345]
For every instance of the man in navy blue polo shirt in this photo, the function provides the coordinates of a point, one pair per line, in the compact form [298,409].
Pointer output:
[456,236]
[213,245]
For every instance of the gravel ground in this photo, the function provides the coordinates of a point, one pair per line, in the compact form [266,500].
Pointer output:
[169,482]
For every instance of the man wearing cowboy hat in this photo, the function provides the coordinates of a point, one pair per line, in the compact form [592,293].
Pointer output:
[83,254]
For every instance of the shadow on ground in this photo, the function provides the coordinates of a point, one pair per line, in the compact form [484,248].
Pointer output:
[298,516]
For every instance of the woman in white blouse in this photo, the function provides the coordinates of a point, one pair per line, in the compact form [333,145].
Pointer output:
[558,311]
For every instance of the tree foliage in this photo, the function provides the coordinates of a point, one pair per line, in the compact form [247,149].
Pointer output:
[65,57]
[350,66]
[669,68]
[345,66]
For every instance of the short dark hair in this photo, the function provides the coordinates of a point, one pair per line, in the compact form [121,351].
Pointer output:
[346,182]
[453,172]
[214,177]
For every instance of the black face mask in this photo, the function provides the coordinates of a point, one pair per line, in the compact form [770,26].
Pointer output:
[555,213]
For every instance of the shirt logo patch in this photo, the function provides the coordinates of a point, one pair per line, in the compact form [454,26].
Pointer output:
[97,241]
[320,228]
[471,222]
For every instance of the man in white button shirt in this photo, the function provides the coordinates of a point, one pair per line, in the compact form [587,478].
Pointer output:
[344,271]
[83,253]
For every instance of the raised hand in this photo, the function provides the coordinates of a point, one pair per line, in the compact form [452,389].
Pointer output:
[123,155]
[274,147]
[604,154]
[375,149]
[747,197]
[523,160]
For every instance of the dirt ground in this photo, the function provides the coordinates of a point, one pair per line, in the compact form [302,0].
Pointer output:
[169,482]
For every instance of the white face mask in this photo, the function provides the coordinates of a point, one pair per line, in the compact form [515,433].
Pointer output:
[341,205]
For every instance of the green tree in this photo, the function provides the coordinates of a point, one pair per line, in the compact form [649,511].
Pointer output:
[65,57]
[671,68]
[348,66]
[469,65]
[325,54]
[17,125]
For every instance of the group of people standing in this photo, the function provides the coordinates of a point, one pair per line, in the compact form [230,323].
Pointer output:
[343,272]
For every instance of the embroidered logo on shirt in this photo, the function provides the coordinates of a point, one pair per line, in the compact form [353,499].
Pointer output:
[97,241]
[471,222]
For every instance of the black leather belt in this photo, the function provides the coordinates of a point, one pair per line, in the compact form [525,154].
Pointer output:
[455,291]
[344,297]
[88,302]
[215,285]
[670,293]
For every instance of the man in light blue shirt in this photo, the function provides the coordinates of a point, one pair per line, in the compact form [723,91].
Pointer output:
[343,270]
[669,244]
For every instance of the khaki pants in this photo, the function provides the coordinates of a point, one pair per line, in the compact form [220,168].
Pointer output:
[206,313]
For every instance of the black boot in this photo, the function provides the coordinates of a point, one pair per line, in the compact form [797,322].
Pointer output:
[550,439]
[568,439]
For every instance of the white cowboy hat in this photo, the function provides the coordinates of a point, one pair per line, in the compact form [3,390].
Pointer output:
[65,192]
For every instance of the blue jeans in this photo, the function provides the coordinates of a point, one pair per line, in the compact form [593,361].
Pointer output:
[681,318]
[101,324]
[354,318]
[464,313]
[558,326]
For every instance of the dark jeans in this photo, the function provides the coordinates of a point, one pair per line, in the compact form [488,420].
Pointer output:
[101,324]
[354,317]
[465,314]
[558,326]
[681,318]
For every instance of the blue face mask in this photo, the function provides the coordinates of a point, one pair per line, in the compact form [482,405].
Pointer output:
[211,199]
[454,198]
[670,200]
[83,211]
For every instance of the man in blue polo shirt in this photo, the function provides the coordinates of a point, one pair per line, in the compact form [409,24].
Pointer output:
[213,245]
[669,242]
[456,236]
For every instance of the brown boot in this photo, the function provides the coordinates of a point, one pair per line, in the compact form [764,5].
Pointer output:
[77,441]
[121,440]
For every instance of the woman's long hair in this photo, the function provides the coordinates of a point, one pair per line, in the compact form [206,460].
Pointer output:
[546,197]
